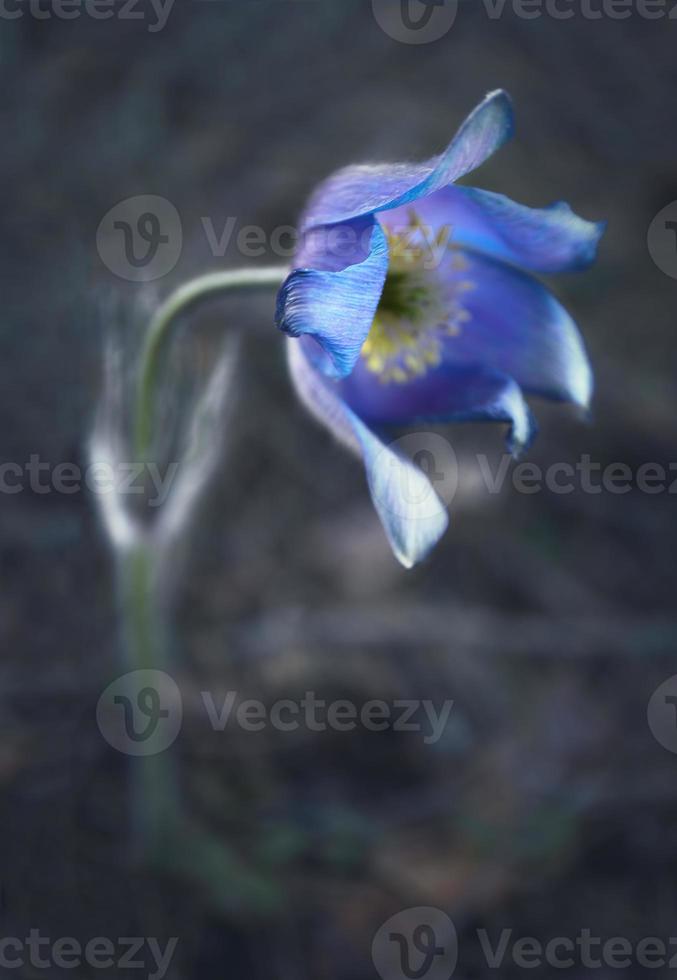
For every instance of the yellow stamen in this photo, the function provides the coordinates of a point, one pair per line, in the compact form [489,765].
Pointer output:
[415,312]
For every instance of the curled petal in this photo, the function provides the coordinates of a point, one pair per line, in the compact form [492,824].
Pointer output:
[361,190]
[551,239]
[413,517]
[336,307]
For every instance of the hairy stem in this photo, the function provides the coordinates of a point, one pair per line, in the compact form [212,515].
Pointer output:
[156,810]
[159,330]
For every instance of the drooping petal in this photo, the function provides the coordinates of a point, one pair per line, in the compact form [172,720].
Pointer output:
[361,190]
[413,517]
[412,514]
[551,239]
[336,307]
[445,394]
[517,328]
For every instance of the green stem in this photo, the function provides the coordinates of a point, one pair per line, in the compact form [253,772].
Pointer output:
[146,652]
[204,287]
[156,811]
[154,783]
[166,838]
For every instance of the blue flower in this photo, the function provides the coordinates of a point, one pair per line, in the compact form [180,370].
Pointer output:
[412,299]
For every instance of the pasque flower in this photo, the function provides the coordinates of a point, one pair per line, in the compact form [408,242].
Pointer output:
[411,299]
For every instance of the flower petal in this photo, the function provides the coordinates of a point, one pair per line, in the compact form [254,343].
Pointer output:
[336,307]
[551,239]
[361,190]
[519,329]
[412,514]
[445,394]
[343,258]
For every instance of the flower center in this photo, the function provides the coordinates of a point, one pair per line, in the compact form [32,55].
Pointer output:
[419,306]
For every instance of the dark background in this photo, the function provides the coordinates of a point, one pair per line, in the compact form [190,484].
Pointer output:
[548,806]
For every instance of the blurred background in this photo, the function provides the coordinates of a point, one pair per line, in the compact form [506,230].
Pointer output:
[547,806]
